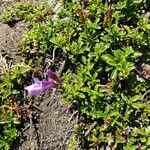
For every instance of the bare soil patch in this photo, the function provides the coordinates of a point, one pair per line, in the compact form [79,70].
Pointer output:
[52,128]
[9,40]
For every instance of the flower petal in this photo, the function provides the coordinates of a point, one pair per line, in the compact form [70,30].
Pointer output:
[39,86]
[36,80]
[48,85]
[34,89]
[52,75]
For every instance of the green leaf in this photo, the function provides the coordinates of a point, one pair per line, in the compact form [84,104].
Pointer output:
[138,105]
[109,59]
[114,74]
[128,50]
[115,113]
[135,98]
[137,1]
[141,131]
[119,55]
[136,54]
[81,95]
[143,139]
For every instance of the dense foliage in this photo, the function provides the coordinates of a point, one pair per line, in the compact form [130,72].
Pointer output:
[27,12]
[11,83]
[106,43]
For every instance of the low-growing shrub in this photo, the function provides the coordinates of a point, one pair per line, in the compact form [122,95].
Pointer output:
[107,44]
[11,83]
[27,12]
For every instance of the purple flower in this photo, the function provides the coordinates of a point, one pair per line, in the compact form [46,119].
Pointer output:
[39,86]
[52,75]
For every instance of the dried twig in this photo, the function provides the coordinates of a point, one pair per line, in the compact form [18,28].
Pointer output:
[31,128]
[91,128]
[3,64]
[62,68]
[54,51]
[26,127]
[144,95]
[37,108]
[72,116]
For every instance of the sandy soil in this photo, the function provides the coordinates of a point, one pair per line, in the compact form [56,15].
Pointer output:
[52,128]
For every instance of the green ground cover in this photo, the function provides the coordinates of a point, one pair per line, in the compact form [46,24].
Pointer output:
[107,45]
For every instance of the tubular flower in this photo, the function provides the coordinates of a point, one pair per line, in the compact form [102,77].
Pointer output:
[40,86]
[52,75]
